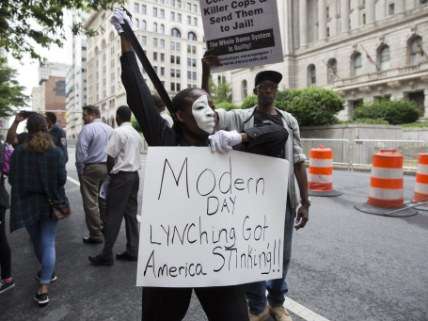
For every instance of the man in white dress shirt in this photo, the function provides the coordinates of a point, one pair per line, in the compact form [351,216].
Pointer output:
[124,160]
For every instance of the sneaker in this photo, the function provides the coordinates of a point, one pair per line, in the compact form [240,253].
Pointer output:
[53,279]
[4,286]
[280,313]
[264,316]
[42,299]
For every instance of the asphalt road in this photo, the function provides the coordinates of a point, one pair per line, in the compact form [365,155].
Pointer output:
[346,266]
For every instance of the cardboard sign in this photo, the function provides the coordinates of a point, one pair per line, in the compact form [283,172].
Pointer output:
[210,219]
[243,33]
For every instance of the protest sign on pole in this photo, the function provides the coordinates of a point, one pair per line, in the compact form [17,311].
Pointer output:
[210,219]
[242,33]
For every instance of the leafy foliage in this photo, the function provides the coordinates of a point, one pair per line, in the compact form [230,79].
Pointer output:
[311,106]
[227,105]
[249,101]
[11,93]
[26,23]
[394,112]
[221,92]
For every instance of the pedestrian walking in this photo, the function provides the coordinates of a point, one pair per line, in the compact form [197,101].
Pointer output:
[6,281]
[58,134]
[195,122]
[265,112]
[91,164]
[124,150]
[37,177]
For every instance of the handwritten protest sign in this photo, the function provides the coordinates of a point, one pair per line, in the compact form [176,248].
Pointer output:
[211,219]
[242,33]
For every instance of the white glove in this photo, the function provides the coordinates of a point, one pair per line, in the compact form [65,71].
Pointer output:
[223,141]
[118,18]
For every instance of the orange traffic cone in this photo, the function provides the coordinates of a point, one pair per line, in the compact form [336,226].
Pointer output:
[321,172]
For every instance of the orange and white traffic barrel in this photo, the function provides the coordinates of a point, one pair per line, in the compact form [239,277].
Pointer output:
[386,181]
[387,186]
[320,172]
[421,187]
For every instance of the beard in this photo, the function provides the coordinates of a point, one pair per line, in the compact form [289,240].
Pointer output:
[265,101]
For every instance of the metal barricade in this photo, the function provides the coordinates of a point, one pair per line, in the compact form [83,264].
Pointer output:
[357,153]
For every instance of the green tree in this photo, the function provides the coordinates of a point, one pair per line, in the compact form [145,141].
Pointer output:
[24,24]
[221,92]
[394,112]
[11,95]
[311,106]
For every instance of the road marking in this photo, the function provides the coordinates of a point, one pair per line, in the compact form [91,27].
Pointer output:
[302,311]
[289,304]
[73,181]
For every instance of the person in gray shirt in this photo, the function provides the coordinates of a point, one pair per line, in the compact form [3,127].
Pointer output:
[91,164]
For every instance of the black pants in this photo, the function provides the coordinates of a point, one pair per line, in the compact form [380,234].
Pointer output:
[170,304]
[122,201]
[5,257]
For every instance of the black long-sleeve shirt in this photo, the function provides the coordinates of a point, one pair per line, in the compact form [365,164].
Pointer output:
[156,130]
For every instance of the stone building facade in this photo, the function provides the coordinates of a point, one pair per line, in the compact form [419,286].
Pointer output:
[363,49]
[171,34]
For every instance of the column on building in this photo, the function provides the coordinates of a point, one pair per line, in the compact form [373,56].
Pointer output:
[303,22]
[426,104]
[322,23]
[370,11]
[400,6]
[345,11]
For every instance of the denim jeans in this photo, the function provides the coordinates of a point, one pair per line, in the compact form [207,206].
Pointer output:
[277,289]
[42,234]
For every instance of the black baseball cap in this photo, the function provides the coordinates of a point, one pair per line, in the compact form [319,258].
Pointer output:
[271,75]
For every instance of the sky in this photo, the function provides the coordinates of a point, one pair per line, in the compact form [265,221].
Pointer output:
[27,68]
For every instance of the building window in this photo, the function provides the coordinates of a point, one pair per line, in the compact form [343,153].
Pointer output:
[144,25]
[155,56]
[416,53]
[189,20]
[162,29]
[356,63]
[331,70]
[162,13]
[162,43]
[383,57]
[136,7]
[144,40]
[391,9]
[155,42]
[192,36]
[155,12]
[244,89]
[162,71]
[195,21]
[143,9]
[155,27]
[175,33]
[179,17]
[162,57]
[312,75]
[364,19]
[172,16]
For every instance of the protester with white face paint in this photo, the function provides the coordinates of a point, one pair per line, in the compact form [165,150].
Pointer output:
[194,123]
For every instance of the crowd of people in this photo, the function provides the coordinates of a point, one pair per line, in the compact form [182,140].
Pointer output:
[108,161]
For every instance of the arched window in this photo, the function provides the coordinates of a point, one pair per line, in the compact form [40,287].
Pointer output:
[175,33]
[192,36]
[416,53]
[312,75]
[244,89]
[331,70]
[155,27]
[143,25]
[356,63]
[383,57]
[162,29]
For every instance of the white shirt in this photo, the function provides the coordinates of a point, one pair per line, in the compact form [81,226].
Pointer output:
[125,146]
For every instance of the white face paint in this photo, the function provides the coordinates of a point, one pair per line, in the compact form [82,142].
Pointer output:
[203,114]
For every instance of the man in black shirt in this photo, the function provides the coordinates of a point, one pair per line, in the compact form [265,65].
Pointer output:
[57,133]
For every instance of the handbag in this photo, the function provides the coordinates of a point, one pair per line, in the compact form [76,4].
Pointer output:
[59,209]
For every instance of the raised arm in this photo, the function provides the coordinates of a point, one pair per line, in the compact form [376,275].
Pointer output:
[139,98]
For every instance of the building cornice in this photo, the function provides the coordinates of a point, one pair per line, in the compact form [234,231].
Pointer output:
[355,35]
